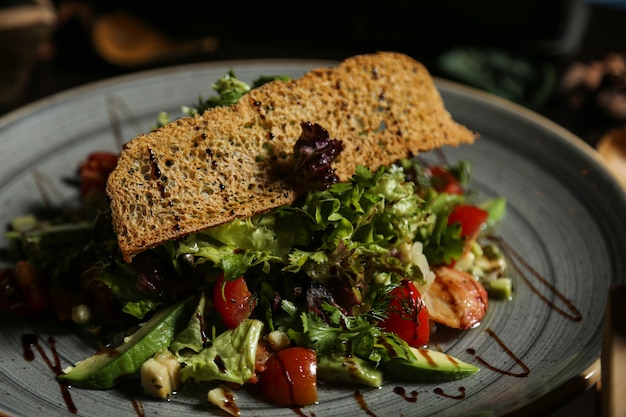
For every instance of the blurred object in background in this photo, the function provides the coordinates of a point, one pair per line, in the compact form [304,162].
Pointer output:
[547,28]
[522,78]
[507,48]
[612,147]
[609,3]
[516,49]
[125,40]
[335,28]
[24,29]
[504,47]
[597,87]
[90,34]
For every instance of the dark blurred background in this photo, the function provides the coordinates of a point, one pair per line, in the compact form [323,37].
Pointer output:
[562,58]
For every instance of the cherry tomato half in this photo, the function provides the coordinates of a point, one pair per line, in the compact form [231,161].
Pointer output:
[471,219]
[95,170]
[444,182]
[408,316]
[233,301]
[290,378]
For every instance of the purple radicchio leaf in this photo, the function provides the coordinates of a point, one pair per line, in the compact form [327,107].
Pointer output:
[314,153]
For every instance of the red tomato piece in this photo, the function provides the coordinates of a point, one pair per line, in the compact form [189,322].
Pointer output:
[444,182]
[471,219]
[94,171]
[408,316]
[290,378]
[233,301]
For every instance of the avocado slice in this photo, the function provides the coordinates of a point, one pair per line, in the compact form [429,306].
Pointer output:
[104,369]
[350,369]
[428,366]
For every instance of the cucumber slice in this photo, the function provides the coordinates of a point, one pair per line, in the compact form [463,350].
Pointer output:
[500,288]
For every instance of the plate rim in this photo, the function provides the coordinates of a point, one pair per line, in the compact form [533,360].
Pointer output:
[536,118]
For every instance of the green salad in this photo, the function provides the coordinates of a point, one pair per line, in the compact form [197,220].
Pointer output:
[329,289]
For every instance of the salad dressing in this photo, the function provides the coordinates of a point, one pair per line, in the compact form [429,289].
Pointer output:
[426,354]
[442,393]
[525,369]
[301,413]
[229,403]
[360,399]
[519,265]
[137,406]
[30,341]
[203,335]
[410,397]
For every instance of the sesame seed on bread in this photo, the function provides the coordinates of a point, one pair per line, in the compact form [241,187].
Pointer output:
[229,162]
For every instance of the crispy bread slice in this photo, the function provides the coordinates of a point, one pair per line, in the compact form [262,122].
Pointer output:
[206,170]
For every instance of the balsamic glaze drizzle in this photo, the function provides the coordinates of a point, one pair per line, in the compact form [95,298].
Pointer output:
[298,411]
[441,393]
[410,397]
[137,406]
[517,262]
[360,400]
[30,341]
[525,369]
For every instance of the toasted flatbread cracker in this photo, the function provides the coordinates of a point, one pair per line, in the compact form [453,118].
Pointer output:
[203,171]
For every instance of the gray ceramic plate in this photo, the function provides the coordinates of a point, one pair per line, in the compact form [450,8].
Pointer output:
[566,220]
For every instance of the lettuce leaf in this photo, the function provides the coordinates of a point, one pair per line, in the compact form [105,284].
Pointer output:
[121,280]
[230,358]
[193,336]
[237,246]
[361,226]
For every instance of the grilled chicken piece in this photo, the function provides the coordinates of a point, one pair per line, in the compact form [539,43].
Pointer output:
[455,299]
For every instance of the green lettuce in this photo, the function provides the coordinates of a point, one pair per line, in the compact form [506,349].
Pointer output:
[229,90]
[121,280]
[338,334]
[193,336]
[230,358]
[237,246]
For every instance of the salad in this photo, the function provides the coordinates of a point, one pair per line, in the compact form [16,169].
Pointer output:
[334,288]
